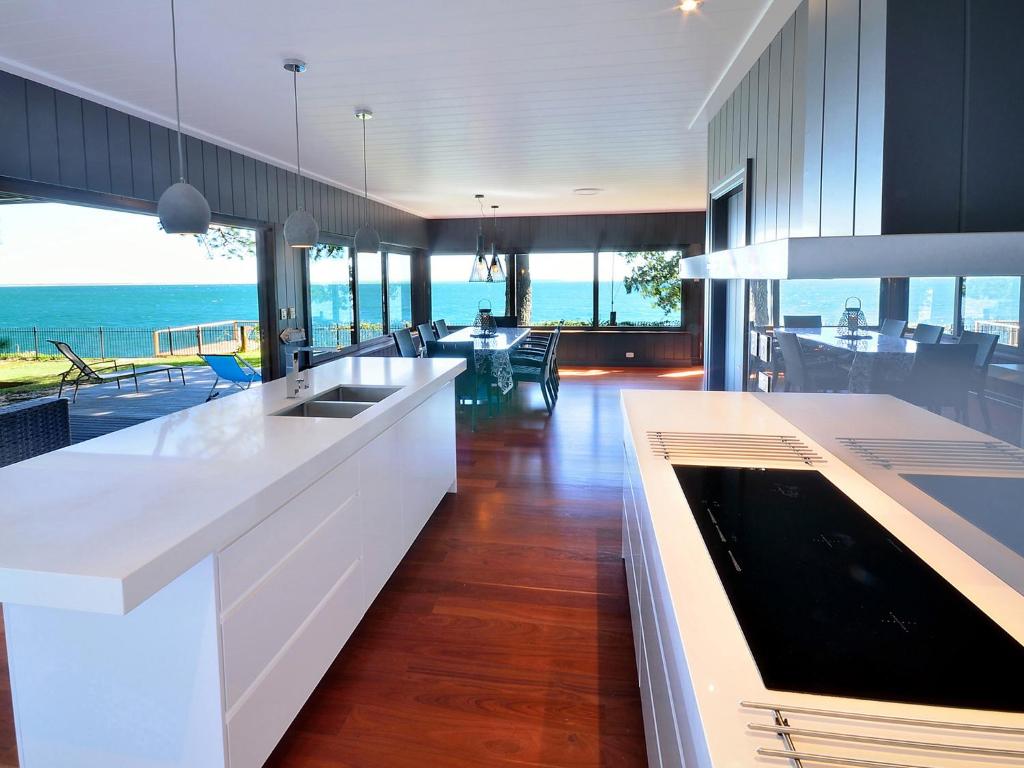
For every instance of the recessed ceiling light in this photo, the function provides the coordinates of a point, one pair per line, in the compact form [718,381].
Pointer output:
[688,6]
[587,191]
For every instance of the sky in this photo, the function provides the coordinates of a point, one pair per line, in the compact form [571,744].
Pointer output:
[57,244]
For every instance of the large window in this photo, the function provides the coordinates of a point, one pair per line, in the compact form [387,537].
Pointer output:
[992,305]
[641,288]
[559,288]
[453,298]
[828,298]
[399,291]
[932,301]
[370,282]
[330,295]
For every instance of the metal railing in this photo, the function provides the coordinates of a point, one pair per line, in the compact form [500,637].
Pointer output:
[105,342]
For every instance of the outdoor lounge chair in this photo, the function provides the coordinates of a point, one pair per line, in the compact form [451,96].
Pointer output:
[81,372]
[231,368]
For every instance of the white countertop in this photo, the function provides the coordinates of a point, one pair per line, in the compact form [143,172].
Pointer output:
[710,645]
[104,524]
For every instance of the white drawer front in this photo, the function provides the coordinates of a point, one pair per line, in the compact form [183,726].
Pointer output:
[260,719]
[248,559]
[264,621]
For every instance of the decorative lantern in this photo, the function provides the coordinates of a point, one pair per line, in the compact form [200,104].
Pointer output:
[484,321]
[853,319]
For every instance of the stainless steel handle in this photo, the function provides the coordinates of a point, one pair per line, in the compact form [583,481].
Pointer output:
[887,742]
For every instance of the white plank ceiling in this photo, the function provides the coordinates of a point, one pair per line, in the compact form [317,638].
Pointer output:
[522,100]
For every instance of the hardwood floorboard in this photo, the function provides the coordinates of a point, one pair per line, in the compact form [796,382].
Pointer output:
[504,638]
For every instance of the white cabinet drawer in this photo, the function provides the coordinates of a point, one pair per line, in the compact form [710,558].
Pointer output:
[248,559]
[260,719]
[255,630]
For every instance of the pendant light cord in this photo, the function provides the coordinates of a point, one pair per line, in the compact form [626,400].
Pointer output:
[177,100]
[298,160]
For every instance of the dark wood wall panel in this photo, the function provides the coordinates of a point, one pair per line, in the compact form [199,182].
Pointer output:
[523,234]
[669,349]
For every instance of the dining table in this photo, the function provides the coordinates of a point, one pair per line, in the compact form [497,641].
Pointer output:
[493,353]
[876,362]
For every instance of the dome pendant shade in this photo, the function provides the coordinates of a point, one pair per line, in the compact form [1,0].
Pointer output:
[183,210]
[367,240]
[301,230]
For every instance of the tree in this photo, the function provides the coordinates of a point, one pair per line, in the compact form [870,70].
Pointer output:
[655,275]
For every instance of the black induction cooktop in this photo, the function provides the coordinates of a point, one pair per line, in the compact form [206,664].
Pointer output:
[832,603]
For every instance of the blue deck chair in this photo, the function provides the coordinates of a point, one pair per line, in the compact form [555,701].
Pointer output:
[231,368]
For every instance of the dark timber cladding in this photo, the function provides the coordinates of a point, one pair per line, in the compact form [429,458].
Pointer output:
[58,139]
[809,113]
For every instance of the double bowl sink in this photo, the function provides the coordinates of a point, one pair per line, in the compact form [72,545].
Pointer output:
[342,402]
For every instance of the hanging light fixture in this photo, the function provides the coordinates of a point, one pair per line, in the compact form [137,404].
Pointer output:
[496,271]
[182,208]
[481,272]
[367,239]
[300,229]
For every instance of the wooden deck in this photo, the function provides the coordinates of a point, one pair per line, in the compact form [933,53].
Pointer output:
[103,408]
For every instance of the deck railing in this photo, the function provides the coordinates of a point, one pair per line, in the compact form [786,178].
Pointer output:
[106,342]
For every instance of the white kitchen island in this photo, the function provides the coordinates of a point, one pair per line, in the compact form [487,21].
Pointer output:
[174,591]
[696,671]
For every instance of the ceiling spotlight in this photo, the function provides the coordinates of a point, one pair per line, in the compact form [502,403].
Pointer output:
[688,6]
[587,191]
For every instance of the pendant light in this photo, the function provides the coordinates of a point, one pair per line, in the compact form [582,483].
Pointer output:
[496,271]
[182,209]
[300,229]
[481,272]
[367,240]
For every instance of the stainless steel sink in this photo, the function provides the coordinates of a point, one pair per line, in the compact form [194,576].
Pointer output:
[326,410]
[357,394]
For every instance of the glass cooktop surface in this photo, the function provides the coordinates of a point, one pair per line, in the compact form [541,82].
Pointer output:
[832,603]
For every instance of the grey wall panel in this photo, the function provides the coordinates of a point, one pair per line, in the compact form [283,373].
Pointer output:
[120,143]
[262,200]
[923,142]
[97,147]
[211,182]
[744,120]
[238,184]
[194,163]
[993,172]
[160,151]
[785,129]
[71,140]
[839,147]
[41,106]
[13,128]
[796,175]
[178,159]
[272,205]
[772,149]
[761,158]
[142,159]
[870,119]
[249,169]
[814,89]
[226,199]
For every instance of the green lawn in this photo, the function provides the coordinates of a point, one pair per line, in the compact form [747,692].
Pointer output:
[22,377]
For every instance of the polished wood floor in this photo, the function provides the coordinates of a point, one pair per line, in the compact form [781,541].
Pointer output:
[503,639]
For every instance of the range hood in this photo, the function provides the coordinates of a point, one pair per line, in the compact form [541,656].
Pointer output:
[918,255]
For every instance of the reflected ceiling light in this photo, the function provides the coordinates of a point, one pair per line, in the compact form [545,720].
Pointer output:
[367,239]
[587,191]
[689,6]
[182,209]
[495,270]
[300,229]
[481,272]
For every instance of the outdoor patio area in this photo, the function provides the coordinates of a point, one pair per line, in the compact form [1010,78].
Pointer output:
[103,408]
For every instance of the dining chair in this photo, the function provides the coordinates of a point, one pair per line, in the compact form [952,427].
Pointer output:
[506,321]
[405,343]
[534,357]
[426,332]
[538,372]
[470,385]
[928,334]
[801,321]
[986,343]
[441,327]
[804,376]
[893,327]
[941,377]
